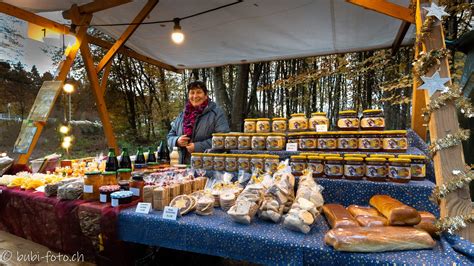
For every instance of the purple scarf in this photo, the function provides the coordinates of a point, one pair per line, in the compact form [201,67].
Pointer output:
[190,115]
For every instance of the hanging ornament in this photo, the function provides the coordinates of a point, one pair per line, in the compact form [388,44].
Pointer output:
[436,11]
[433,83]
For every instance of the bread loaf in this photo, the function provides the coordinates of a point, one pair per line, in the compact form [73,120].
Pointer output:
[356,210]
[369,221]
[396,212]
[338,216]
[427,223]
[378,239]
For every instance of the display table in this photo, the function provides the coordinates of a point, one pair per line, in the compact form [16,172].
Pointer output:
[265,242]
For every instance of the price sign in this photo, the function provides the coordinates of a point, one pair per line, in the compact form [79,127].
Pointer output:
[170,213]
[143,207]
[292,147]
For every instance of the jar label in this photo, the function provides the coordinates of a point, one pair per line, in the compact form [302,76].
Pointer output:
[333,169]
[298,125]
[219,165]
[244,144]
[88,189]
[327,143]
[376,171]
[256,165]
[249,127]
[372,122]
[244,165]
[271,166]
[217,143]
[298,167]
[196,163]
[135,191]
[308,144]
[258,143]
[275,143]
[103,198]
[263,127]
[115,202]
[317,168]
[418,170]
[230,143]
[354,170]
[395,143]
[399,172]
[348,123]
[370,143]
[207,164]
[279,126]
[231,166]
[347,143]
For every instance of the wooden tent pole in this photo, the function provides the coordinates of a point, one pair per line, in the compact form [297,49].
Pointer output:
[442,122]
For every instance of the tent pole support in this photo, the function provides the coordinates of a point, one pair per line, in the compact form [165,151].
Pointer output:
[387,8]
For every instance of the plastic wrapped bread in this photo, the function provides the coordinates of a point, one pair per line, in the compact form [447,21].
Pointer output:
[378,239]
[279,195]
[367,216]
[249,201]
[357,210]
[338,216]
[427,223]
[307,204]
[396,212]
[71,191]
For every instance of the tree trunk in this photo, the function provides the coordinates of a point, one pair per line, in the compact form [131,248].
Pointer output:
[240,97]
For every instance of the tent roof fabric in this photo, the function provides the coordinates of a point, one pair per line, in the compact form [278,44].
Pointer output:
[250,31]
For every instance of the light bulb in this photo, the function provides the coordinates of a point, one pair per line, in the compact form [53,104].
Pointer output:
[66,145]
[68,88]
[177,36]
[67,139]
[64,129]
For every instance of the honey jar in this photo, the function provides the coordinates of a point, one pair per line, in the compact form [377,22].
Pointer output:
[395,140]
[316,164]
[354,168]
[124,174]
[218,141]
[376,169]
[298,164]
[308,141]
[196,160]
[230,142]
[327,141]
[271,163]
[370,141]
[244,142]
[333,167]
[372,119]
[318,119]
[92,183]
[275,141]
[109,178]
[231,163]
[244,162]
[348,120]
[279,125]
[298,122]
[250,125]
[208,161]
[347,141]
[259,142]
[257,162]
[263,125]
[219,162]
[418,166]
[399,170]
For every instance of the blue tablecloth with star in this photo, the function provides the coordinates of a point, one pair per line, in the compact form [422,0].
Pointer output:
[268,243]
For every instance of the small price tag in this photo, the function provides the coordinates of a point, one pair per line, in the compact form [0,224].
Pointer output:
[143,207]
[321,128]
[170,213]
[292,147]
[88,189]
[103,198]
[135,191]
[115,202]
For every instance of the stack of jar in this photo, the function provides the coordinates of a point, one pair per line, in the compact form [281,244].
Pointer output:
[234,162]
[249,141]
[376,167]
[372,119]
[297,123]
[94,180]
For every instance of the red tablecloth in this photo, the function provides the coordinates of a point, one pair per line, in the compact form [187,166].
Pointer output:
[63,226]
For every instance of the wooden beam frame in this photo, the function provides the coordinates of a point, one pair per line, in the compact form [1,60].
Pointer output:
[105,77]
[402,31]
[57,27]
[128,32]
[387,8]
[442,122]
[96,6]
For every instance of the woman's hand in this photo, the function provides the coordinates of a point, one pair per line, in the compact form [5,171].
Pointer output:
[190,147]
[182,141]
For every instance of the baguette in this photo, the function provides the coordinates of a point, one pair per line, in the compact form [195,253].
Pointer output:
[396,212]
[427,223]
[378,239]
[338,216]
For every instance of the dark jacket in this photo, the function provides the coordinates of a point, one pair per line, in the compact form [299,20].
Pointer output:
[212,120]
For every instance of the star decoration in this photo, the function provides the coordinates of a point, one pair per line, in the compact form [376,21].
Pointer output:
[436,11]
[433,83]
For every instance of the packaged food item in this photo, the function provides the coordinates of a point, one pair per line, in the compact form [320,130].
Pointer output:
[208,161]
[71,191]
[263,125]
[279,195]
[259,142]
[271,163]
[298,122]
[396,212]
[196,160]
[105,192]
[244,142]
[333,167]
[257,162]
[316,165]
[92,182]
[338,216]
[231,163]
[371,221]
[161,197]
[348,120]
[279,125]
[418,166]
[121,197]
[347,140]
[370,141]
[427,223]
[109,178]
[218,141]
[205,204]
[394,140]
[354,168]
[219,162]
[378,239]
[298,164]
[275,142]
[318,119]
[230,141]
[305,208]
[327,141]
[136,186]
[244,163]
[250,125]
[372,119]
[293,138]
[308,141]
[357,210]
[399,170]
[376,169]
[184,203]
[124,174]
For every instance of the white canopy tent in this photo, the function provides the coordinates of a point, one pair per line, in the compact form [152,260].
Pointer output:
[249,31]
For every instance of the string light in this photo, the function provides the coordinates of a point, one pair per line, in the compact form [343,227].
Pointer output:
[68,88]
[64,129]
[177,36]
[67,139]
[66,145]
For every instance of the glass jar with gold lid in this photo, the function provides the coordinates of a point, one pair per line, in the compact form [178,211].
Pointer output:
[231,163]
[376,169]
[399,170]
[219,161]
[250,125]
[275,141]
[318,119]
[298,164]
[231,141]
[308,141]
[316,164]
[208,161]
[196,160]
[218,141]
[354,168]
[347,140]
[271,163]
[348,120]
[394,140]
[263,125]
[298,122]
[244,141]
[370,141]
[259,141]
[279,124]
[244,162]
[333,167]
[372,119]
[327,140]
[257,162]
[418,166]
